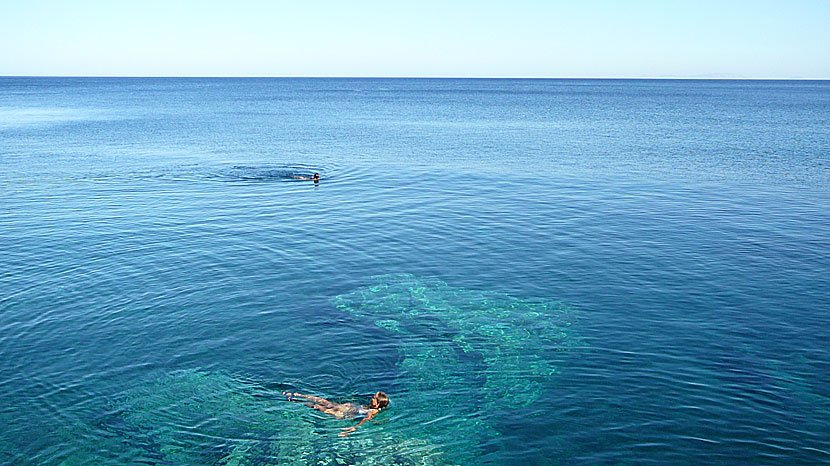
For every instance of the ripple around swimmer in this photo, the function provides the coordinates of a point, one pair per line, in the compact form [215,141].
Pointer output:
[263,173]
[266,173]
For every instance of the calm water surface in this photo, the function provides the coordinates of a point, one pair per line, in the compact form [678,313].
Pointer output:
[536,271]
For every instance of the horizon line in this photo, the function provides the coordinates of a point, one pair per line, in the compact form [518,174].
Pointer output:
[633,78]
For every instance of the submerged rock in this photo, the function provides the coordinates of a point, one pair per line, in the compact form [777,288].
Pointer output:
[464,348]
[464,357]
[194,417]
[511,337]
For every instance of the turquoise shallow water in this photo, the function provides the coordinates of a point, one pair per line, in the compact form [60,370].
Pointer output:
[536,271]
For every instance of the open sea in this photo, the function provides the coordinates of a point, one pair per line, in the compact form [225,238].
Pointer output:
[537,272]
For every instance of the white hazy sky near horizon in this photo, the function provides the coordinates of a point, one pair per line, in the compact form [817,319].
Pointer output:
[522,38]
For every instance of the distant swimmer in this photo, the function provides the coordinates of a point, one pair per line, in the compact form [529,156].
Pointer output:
[343,410]
[315,178]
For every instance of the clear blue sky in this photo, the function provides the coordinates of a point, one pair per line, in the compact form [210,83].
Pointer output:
[591,38]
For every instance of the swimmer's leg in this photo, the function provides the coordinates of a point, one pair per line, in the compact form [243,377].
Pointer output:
[327,409]
[312,398]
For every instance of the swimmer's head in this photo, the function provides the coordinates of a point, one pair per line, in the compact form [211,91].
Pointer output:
[316,177]
[379,401]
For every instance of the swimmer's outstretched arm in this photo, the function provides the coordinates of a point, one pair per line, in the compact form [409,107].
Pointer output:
[348,430]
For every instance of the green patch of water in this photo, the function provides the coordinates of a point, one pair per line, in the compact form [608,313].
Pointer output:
[193,417]
[467,352]
[465,356]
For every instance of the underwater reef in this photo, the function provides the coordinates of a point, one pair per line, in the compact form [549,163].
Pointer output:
[195,417]
[465,358]
[457,343]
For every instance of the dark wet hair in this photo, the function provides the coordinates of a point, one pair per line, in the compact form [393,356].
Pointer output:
[316,175]
[383,399]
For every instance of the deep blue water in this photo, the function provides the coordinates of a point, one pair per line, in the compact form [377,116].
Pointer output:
[535,271]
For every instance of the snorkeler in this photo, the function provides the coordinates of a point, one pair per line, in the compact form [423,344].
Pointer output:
[343,410]
[315,178]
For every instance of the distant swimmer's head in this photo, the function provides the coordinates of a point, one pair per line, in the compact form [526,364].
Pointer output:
[316,177]
[379,401]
